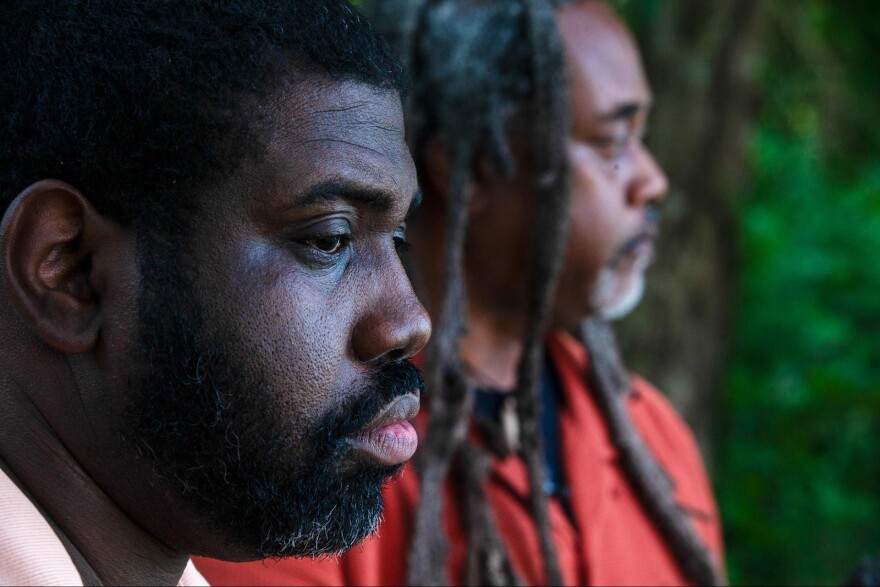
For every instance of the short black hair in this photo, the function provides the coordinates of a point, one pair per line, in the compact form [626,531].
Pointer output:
[136,101]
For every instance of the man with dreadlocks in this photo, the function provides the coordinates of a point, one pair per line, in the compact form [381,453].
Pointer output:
[544,462]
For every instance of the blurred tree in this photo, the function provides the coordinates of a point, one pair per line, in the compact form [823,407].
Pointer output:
[700,60]
[764,309]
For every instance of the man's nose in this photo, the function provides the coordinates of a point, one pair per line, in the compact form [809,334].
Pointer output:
[650,183]
[394,326]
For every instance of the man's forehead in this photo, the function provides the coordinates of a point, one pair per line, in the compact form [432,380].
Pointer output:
[344,133]
[336,108]
[602,58]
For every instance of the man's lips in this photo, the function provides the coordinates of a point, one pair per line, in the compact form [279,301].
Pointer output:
[640,246]
[639,249]
[389,439]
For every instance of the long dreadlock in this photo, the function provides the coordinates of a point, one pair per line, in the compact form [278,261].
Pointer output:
[473,76]
[609,383]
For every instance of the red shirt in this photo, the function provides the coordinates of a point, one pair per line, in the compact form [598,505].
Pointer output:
[607,540]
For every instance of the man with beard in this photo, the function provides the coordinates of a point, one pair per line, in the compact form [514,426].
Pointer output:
[526,122]
[206,322]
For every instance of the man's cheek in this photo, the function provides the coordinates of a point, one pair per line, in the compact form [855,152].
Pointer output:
[301,348]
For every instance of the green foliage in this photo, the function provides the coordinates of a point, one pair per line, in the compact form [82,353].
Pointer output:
[798,467]
[799,470]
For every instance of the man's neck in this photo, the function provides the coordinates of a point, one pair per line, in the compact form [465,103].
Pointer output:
[105,545]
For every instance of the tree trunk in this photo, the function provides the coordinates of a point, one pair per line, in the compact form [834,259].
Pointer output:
[700,60]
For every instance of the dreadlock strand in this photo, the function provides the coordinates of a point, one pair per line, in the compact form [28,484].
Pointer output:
[474,73]
[427,556]
[446,388]
[609,383]
[549,132]
[448,396]
[487,561]
[463,109]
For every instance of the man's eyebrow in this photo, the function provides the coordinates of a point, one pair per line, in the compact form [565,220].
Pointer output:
[624,111]
[354,193]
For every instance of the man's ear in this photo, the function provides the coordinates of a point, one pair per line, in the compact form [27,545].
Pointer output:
[47,239]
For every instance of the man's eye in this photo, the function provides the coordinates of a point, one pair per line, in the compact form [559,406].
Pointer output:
[401,244]
[330,244]
[611,147]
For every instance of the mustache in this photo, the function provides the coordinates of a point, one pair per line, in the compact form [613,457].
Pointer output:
[388,383]
[648,231]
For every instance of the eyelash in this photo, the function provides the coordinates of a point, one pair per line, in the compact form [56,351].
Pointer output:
[611,147]
[401,245]
[614,147]
[344,240]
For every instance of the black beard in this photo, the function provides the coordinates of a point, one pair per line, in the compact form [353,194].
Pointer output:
[215,433]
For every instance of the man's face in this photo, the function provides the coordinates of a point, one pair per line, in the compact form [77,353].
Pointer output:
[615,181]
[615,184]
[276,388]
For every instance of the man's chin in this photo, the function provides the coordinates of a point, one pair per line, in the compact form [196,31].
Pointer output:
[345,505]
[614,297]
